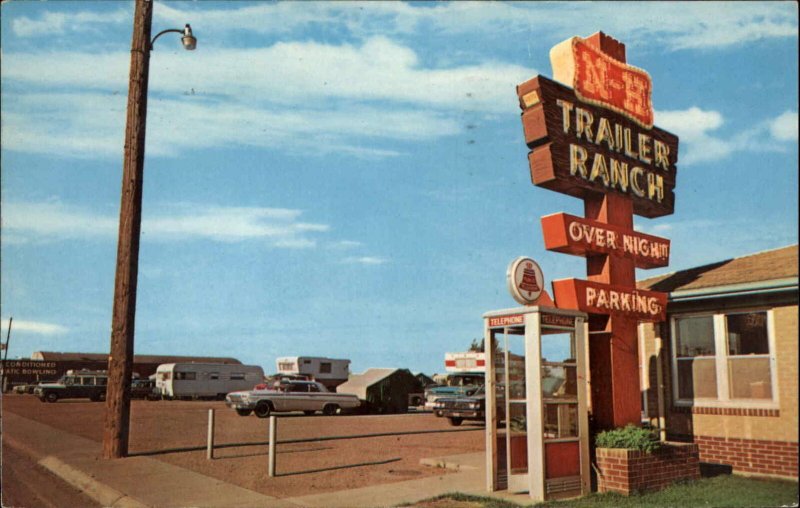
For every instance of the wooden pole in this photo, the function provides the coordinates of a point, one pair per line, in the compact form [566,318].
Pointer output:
[120,361]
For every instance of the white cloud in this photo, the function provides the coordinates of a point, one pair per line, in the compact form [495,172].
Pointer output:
[784,127]
[51,23]
[670,25]
[296,96]
[279,227]
[365,260]
[699,141]
[309,73]
[34,327]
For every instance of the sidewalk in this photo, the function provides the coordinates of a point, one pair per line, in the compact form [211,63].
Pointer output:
[136,482]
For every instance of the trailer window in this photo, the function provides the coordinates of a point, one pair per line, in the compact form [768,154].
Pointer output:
[237,376]
[213,375]
[325,368]
[186,376]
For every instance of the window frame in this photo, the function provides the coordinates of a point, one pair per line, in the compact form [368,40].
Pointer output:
[721,358]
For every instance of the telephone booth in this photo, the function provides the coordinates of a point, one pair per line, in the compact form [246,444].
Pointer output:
[537,427]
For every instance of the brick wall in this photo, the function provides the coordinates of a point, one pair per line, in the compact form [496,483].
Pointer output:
[750,456]
[629,471]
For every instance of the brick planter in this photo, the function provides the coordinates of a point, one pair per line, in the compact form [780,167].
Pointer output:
[629,471]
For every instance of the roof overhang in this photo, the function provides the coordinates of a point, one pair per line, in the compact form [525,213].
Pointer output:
[732,290]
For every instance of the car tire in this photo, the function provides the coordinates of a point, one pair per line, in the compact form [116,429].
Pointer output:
[330,409]
[455,421]
[244,412]
[263,409]
[51,396]
[101,397]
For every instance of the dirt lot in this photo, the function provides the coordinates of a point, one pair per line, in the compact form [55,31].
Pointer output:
[160,428]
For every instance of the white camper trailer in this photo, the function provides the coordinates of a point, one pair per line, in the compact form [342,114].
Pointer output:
[205,380]
[328,371]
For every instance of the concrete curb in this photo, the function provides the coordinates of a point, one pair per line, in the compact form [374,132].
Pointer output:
[96,490]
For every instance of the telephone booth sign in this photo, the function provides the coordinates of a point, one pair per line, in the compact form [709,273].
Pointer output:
[537,429]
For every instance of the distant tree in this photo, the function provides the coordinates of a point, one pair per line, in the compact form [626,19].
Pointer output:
[476,346]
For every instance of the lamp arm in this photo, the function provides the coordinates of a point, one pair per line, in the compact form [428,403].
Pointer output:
[159,34]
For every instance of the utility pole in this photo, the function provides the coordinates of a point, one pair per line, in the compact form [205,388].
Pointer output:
[120,361]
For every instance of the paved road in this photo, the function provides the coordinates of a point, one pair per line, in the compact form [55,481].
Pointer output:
[27,484]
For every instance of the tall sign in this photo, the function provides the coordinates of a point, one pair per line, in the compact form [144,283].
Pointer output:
[591,135]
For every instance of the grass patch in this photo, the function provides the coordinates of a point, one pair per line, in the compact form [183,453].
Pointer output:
[722,491]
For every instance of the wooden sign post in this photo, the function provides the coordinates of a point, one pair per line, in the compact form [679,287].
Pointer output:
[595,140]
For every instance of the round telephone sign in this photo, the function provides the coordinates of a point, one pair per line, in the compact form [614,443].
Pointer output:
[525,280]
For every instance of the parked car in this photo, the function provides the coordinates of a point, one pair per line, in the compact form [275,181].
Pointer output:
[458,385]
[24,388]
[458,409]
[144,389]
[75,384]
[306,396]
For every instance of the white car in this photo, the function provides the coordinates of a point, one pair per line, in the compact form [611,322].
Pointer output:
[306,396]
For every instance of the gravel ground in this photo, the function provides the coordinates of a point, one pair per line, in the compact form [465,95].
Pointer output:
[160,429]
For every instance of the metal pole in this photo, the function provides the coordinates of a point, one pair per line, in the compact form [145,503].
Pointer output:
[273,442]
[5,356]
[120,361]
[210,441]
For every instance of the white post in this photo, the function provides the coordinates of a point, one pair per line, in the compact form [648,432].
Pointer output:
[273,430]
[210,443]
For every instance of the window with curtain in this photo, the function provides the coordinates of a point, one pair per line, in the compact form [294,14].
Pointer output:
[723,357]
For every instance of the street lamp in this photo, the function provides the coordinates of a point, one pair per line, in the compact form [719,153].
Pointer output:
[120,360]
[188,40]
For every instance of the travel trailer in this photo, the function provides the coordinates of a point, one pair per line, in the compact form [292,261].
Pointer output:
[205,380]
[328,371]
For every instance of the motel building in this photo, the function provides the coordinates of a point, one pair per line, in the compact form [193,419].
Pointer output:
[721,371]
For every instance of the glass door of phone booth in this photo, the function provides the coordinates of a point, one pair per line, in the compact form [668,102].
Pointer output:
[537,423]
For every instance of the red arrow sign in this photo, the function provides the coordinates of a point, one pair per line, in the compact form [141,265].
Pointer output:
[598,298]
[582,237]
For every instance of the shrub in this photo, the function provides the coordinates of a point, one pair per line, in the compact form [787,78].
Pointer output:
[630,437]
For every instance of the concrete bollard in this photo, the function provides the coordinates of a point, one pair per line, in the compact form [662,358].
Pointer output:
[210,443]
[273,431]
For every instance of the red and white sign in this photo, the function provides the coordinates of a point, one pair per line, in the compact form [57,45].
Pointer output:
[603,81]
[599,298]
[525,280]
[514,319]
[470,361]
[581,237]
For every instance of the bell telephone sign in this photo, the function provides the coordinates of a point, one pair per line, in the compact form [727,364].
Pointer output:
[591,135]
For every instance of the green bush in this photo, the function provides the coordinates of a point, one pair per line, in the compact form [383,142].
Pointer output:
[630,437]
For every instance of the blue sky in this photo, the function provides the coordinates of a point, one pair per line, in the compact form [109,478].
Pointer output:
[350,179]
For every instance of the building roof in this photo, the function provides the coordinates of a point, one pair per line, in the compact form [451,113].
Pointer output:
[53,356]
[771,265]
[368,377]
